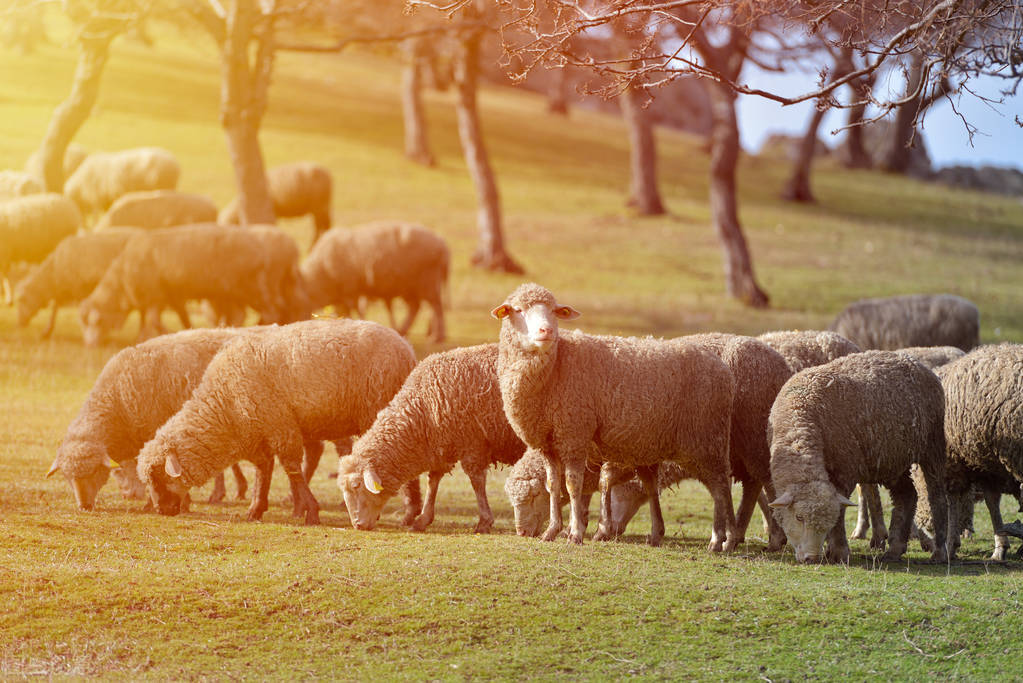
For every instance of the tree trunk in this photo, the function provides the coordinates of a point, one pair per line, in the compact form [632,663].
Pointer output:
[243,103]
[798,187]
[643,192]
[557,98]
[70,114]
[417,146]
[490,252]
[899,156]
[855,153]
[724,159]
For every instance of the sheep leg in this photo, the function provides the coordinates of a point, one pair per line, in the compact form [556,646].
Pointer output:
[555,485]
[937,497]
[648,475]
[53,321]
[261,494]
[321,223]
[436,330]
[872,495]
[478,479]
[240,481]
[300,490]
[903,504]
[413,310]
[724,535]
[425,518]
[179,309]
[993,499]
[862,519]
[574,474]
[150,325]
[219,490]
[748,503]
[389,305]
[412,498]
[775,534]
[311,459]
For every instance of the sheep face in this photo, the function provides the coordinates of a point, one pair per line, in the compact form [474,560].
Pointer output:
[362,492]
[164,486]
[531,316]
[807,513]
[531,506]
[85,485]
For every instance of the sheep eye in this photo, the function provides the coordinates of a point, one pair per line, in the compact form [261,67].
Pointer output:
[356,484]
[799,519]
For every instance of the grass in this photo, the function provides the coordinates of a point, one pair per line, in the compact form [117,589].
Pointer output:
[124,595]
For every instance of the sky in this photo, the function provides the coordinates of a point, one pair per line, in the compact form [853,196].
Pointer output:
[998,142]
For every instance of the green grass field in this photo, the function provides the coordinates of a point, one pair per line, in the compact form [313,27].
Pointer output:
[124,595]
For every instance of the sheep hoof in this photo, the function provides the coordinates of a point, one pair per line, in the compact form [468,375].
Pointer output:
[550,534]
[939,557]
[877,542]
[483,527]
[653,542]
[715,546]
[891,557]
[409,519]
[999,554]
[575,539]
[859,533]
[420,523]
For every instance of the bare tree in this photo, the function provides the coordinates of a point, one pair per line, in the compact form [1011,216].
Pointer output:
[416,53]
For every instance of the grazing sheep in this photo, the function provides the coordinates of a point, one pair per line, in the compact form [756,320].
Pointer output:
[934,357]
[18,184]
[165,268]
[898,322]
[383,260]
[863,418]
[269,394]
[449,410]
[158,209]
[139,389]
[983,429]
[68,274]
[804,349]
[74,155]
[296,189]
[579,398]
[30,227]
[102,177]
[526,486]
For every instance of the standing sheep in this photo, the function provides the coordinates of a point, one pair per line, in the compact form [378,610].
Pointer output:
[983,429]
[158,209]
[267,395]
[139,389]
[449,410]
[911,320]
[30,227]
[102,177]
[68,274]
[579,398]
[863,418]
[296,189]
[383,260]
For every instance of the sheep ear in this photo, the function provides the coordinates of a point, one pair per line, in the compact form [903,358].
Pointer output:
[784,500]
[502,311]
[172,467]
[53,469]
[566,313]
[842,500]
[372,481]
[112,464]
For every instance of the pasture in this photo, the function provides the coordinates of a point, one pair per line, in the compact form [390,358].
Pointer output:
[119,594]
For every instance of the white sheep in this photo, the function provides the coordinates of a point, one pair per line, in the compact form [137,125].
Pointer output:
[579,398]
[30,227]
[448,411]
[382,260]
[102,177]
[158,209]
[898,322]
[18,184]
[267,395]
[296,189]
[863,418]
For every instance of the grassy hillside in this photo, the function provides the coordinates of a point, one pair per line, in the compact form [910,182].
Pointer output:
[121,594]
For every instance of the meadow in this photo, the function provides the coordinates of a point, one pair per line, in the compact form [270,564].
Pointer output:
[120,594]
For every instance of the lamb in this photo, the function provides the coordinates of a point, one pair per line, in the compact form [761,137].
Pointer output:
[167,267]
[269,394]
[383,260]
[983,430]
[138,390]
[632,402]
[861,418]
[30,227]
[912,320]
[449,410]
[102,177]
[68,274]
[158,209]
[296,189]
[18,184]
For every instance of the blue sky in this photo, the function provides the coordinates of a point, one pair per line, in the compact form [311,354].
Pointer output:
[998,142]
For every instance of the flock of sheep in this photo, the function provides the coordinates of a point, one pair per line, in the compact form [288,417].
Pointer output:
[152,248]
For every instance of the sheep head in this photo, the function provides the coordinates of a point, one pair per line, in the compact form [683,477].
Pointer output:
[163,479]
[530,318]
[363,493]
[807,512]
[91,473]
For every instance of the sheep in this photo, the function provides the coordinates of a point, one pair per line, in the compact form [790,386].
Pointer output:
[526,488]
[74,155]
[296,189]
[807,348]
[138,390]
[382,260]
[269,394]
[18,184]
[633,402]
[166,267]
[449,410]
[911,320]
[68,274]
[158,209]
[861,418]
[102,177]
[30,227]
[983,430]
